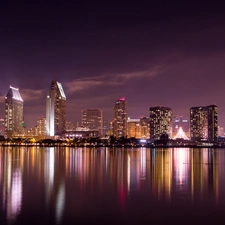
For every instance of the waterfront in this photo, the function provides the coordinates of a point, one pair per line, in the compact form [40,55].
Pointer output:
[62,185]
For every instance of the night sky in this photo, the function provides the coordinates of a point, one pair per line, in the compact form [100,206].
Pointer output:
[152,54]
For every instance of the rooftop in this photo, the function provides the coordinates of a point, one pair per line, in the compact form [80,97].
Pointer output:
[14,93]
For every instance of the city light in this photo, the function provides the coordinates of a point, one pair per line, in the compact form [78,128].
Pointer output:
[181,135]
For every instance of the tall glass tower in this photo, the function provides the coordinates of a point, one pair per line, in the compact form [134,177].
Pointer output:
[13,113]
[120,118]
[55,110]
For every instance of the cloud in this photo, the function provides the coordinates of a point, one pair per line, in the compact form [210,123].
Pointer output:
[82,84]
[110,79]
[30,94]
[147,73]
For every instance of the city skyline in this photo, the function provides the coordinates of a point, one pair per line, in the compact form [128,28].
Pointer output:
[162,54]
[79,121]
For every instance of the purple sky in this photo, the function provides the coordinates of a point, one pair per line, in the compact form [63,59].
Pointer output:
[157,54]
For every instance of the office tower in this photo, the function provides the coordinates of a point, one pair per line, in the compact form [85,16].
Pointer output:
[145,127]
[105,126]
[13,113]
[180,121]
[92,119]
[133,128]
[120,118]
[2,126]
[204,123]
[160,122]
[55,110]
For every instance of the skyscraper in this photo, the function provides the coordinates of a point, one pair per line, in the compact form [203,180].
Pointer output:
[105,126]
[2,126]
[160,122]
[92,119]
[13,113]
[120,118]
[145,127]
[55,110]
[204,123]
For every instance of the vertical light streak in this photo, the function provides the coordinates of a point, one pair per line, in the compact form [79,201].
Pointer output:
[16,195]
[60,203]
[49,172]
[143,163]
[128,174]
[51,166]
[182,160]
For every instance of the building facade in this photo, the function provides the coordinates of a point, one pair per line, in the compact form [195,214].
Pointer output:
[55,110]
[160,122]
[133,128]
[138,128]
[221,131]
[2,126]
[41,126]
[13,113]
[204,123]
[70,126]
[120,118]
[111,130]
[145,127]
[92,119]
[105,126]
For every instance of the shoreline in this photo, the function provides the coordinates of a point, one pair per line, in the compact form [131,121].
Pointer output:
[108,146]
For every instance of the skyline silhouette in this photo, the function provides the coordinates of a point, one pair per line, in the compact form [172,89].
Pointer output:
[166,54]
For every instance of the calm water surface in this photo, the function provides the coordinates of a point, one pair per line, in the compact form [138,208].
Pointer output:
[112,186]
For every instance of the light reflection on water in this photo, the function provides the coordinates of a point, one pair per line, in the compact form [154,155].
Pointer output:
[68,185]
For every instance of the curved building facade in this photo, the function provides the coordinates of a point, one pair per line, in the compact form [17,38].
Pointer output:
[55,110]
[13,113]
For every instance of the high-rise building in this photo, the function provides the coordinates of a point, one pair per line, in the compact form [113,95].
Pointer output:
[92,119]
[2,126]
[204,123]
[41,127]
[145,127]
[13,113]
[55,110]
[221,131]
[120,118]
[105,126]
[160,122]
